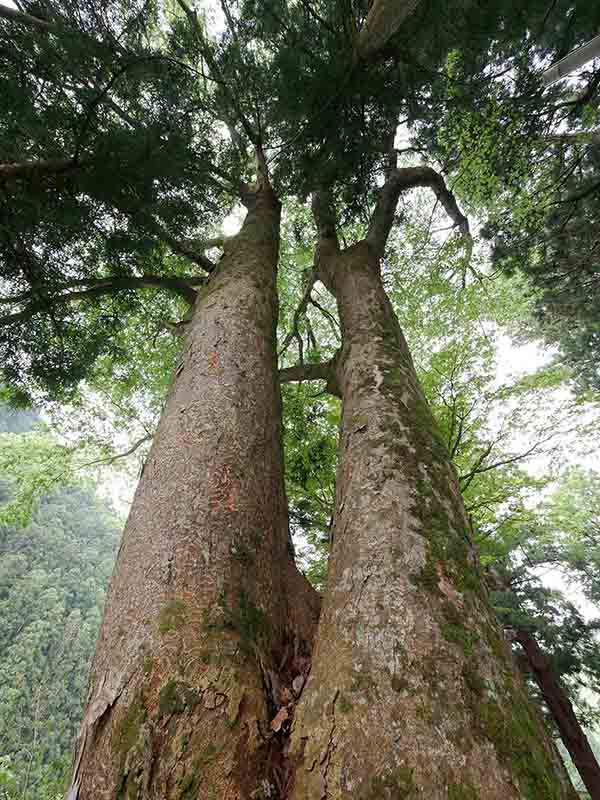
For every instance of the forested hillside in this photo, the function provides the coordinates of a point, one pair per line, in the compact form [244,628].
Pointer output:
[53,577]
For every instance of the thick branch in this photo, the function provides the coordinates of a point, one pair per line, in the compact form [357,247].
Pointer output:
[400,180]
[26,19]
[14,170]
[384,20]
[325,371]
[95,288]
[575,59]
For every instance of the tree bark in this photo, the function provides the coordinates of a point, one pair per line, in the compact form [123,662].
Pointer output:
[207,620]
[412,691]
[562,712]
[383,20]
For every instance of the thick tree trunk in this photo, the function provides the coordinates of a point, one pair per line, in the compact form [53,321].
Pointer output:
[412,691]
[562,712]
[206,619]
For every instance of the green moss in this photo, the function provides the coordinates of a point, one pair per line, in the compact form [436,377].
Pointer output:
[517,741]
[250,623]
[399,684]
[210,752]
[395,784]
[344,704]
[169,700]
[473,680]
[172,616]
[129,727]
[458,635]
[454,630]
[462,791]
[362,682]
[188,785]
[128,787]
[428,578]
[175,697]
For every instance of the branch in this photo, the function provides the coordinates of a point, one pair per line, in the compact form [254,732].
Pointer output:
[383,20]
[14,170]
[325,371]
[298,314]
[572,61]
[189,249]
[400,180]
[215,71]
[112,459]
[478,469]
[327,245]
[335,325]
[26,19]
[324,215]
[95,288]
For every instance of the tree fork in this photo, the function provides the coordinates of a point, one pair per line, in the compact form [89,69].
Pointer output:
[207,621]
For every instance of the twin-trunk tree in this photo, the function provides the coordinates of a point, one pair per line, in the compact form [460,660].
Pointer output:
[215,676]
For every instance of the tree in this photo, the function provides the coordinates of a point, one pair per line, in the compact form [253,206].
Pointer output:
[205,647]
[534,177]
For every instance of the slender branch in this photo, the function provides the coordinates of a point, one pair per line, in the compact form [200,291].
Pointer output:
[400,180]
[335,325]
[215,71]
[189,249]
[111,459]
[478,469]
[298,314]
[318,17]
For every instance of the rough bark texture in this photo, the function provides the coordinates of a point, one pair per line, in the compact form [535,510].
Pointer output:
[207,620]
[562,712]
[412,692]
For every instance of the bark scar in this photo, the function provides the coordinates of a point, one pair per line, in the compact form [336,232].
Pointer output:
[325,758]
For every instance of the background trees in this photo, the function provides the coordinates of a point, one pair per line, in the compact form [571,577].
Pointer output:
[53,576]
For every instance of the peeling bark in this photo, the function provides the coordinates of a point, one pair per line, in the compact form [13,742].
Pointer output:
[207,618]
[412,692]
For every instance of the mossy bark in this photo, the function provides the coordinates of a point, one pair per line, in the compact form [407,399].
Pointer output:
[412,692]
[206,609]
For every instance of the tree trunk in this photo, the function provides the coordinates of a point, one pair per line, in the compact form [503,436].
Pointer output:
[207,619]
[412,691]
[562,712]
